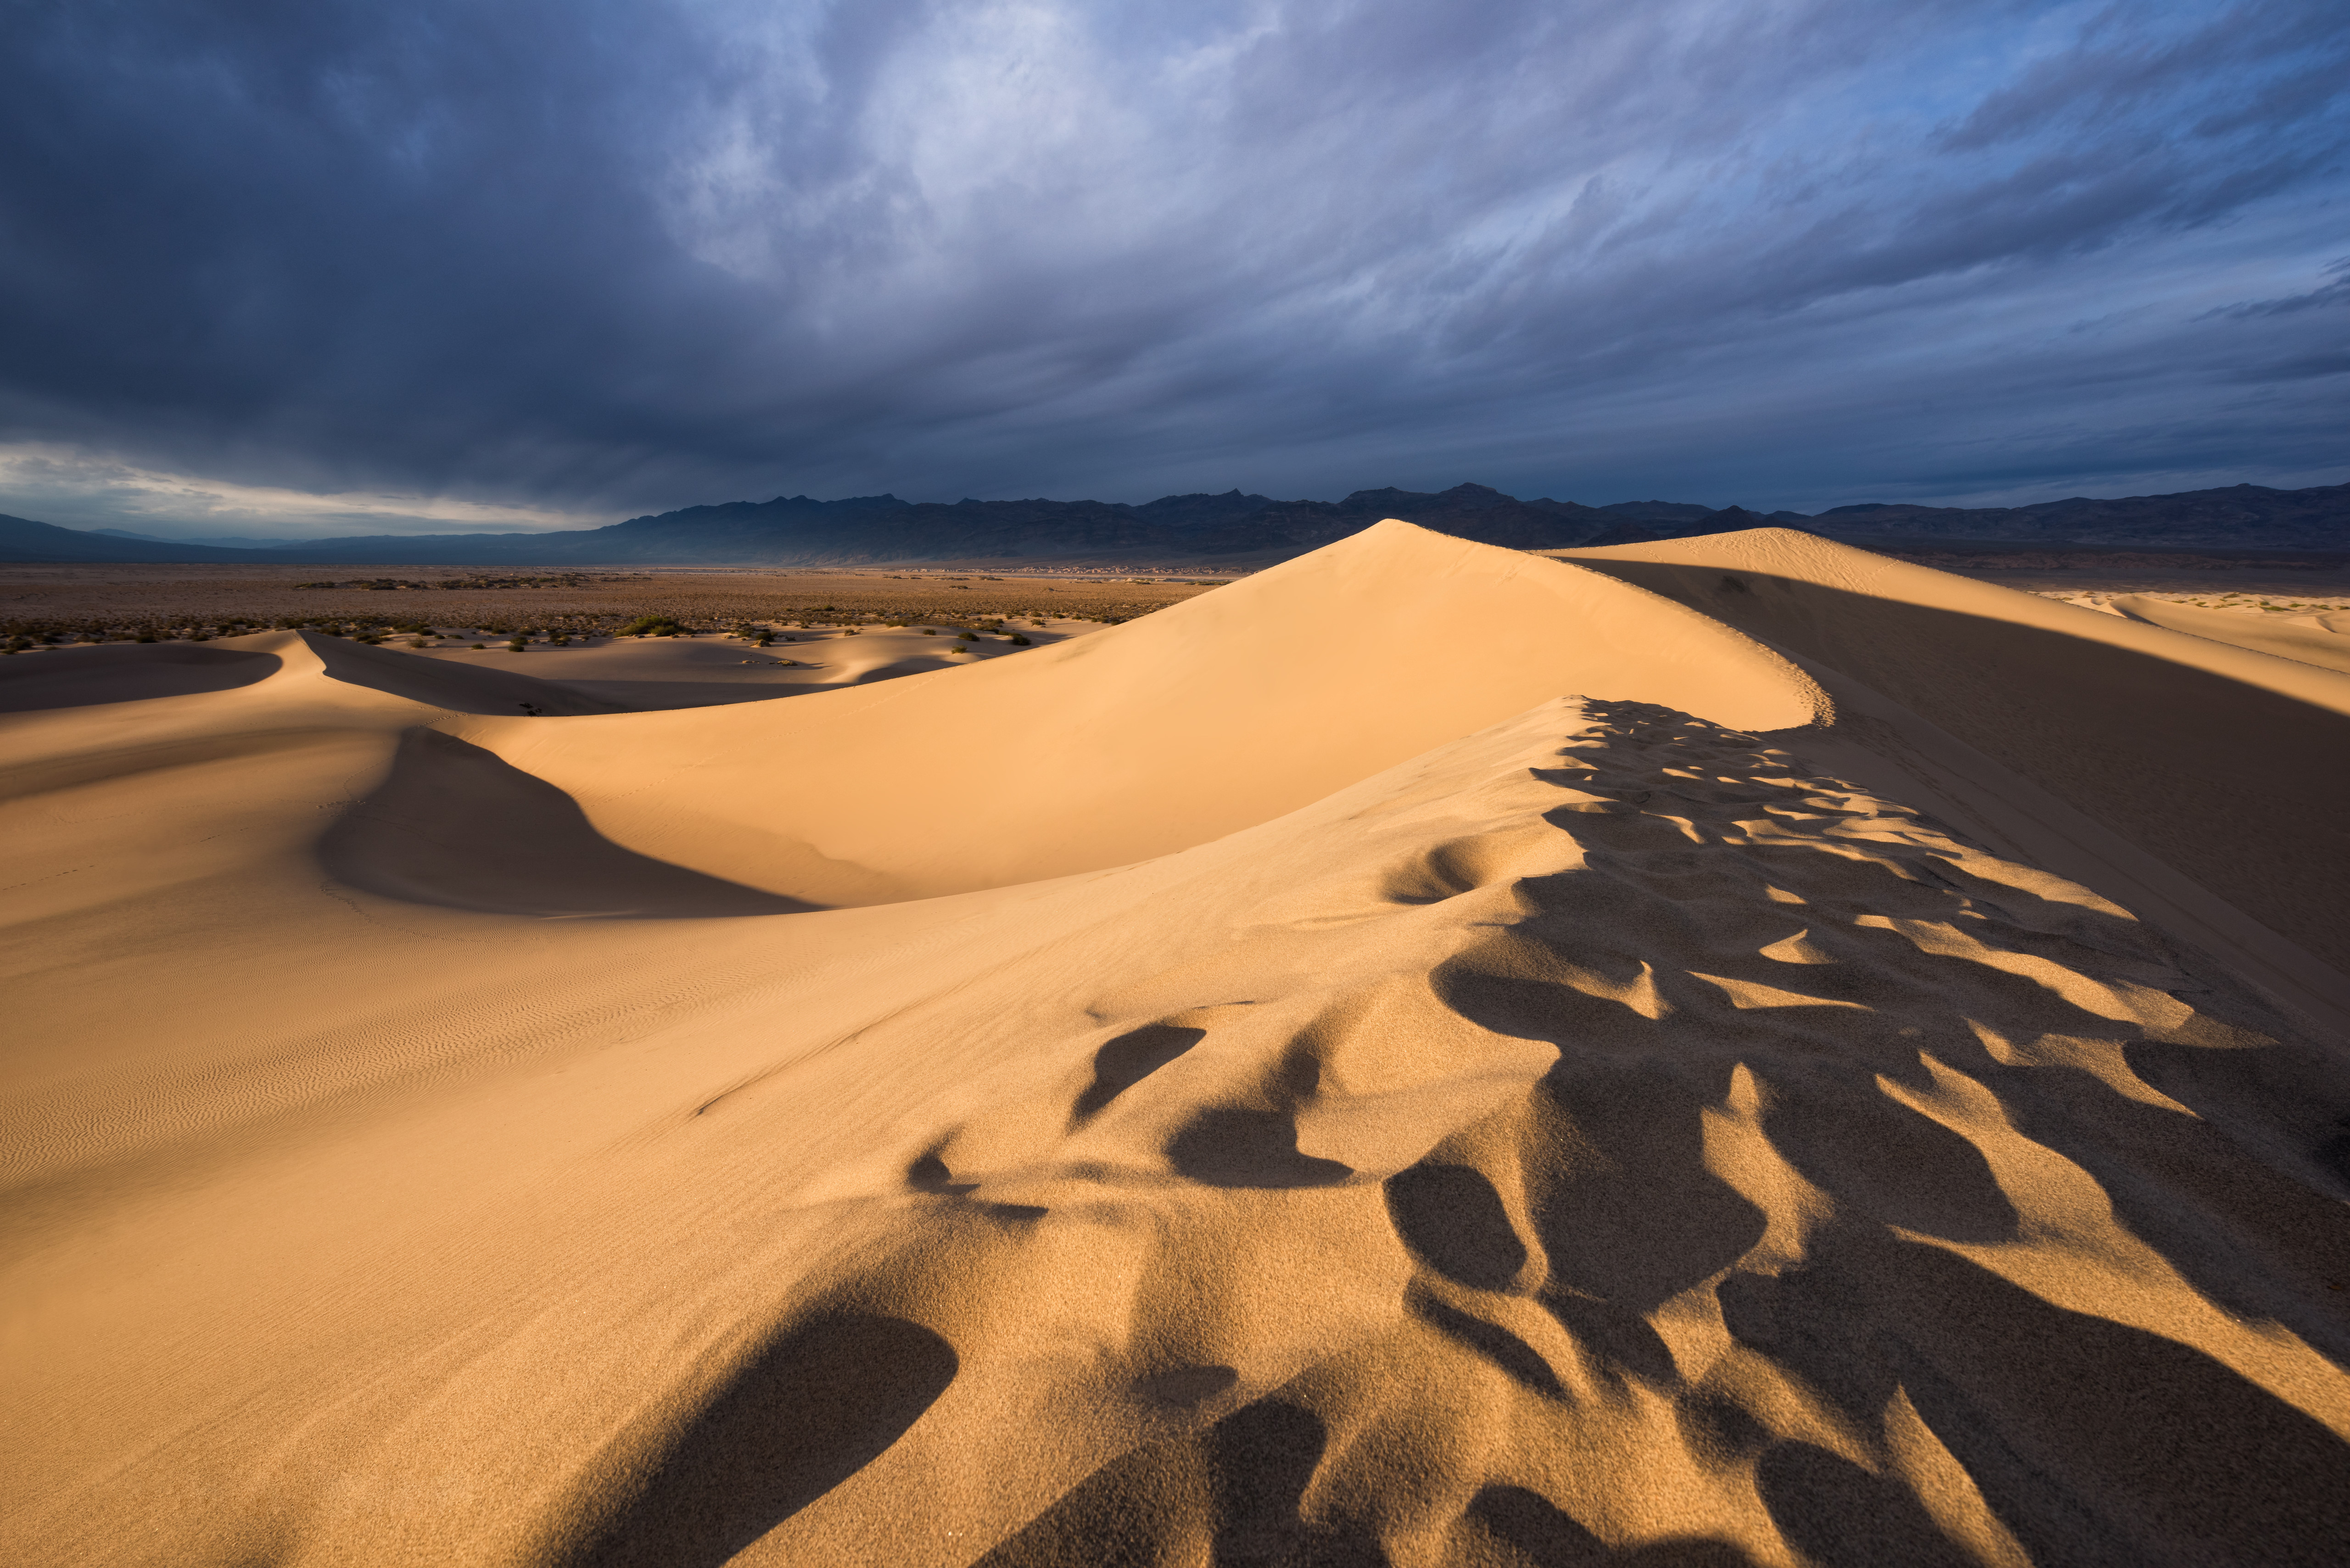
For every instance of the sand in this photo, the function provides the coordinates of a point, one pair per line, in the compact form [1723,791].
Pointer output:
[1425,1056]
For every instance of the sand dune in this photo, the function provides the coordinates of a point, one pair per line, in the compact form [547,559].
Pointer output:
[1164,735]
[2198,778]
[1428,1056]
[2310,641]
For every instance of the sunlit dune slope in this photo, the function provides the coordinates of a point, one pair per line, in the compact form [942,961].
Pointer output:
[1494,1087]
[2307,644]
[2226,764]
[1602,1133]
[1167,732]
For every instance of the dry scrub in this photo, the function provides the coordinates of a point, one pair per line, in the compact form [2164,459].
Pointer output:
[52,603]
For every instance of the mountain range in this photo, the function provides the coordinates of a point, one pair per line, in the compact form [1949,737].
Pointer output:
[1232,528]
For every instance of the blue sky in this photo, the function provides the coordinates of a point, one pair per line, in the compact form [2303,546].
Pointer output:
[286,267]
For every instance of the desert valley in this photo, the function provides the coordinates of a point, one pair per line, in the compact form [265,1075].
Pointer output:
[1732,1050]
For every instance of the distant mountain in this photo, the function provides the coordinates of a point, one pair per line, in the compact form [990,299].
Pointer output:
[1233,528]
[864,530]
[22,539]
[2242,516]
[220,541]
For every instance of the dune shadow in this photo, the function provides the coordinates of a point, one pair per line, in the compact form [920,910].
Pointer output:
[666,696]
[2234,784]
[1517,1360]
[1841,1516]
[467,687]
[1511,1527]
[2092,1440]
[125,672]
[460,827]
[1233,1147]
[1127,1060]
[1228,1496]
[813,1409]
[1453,1221]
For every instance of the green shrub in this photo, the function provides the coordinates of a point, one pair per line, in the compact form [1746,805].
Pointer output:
[652,626]
[1019,641]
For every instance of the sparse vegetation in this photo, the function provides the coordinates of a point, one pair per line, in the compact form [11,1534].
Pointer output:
[52,605]
[652,626]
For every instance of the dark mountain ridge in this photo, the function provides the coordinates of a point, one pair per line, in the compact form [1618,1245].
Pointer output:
[1237,529]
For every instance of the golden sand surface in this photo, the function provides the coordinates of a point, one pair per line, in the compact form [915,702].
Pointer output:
[1734,1051]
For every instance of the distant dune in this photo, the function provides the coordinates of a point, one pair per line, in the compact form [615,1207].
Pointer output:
[1729,1050]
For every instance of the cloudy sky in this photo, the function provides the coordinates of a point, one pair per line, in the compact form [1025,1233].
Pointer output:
[283,267]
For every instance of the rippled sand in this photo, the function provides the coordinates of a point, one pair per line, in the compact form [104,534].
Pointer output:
[1729,1051]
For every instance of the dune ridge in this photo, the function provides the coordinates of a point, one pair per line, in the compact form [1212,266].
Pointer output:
[1595,1128]
[2197,772]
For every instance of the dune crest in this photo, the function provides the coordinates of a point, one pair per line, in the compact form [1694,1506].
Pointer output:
[1608,1128]
[1197,720]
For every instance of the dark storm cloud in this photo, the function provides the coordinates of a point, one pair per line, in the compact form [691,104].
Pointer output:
[608,257]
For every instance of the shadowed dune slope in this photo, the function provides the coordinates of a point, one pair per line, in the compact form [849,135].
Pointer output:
[2224,762]
[463,688]
[1206,717]
[125,672]
[452,825]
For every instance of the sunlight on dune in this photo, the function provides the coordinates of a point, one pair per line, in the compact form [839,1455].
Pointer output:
[1430,1056]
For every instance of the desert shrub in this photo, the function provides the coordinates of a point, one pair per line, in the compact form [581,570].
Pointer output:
[966,637]
[145,636]
[1020,641]
[650,626]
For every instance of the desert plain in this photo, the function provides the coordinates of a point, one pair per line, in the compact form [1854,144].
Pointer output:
[1729,1051]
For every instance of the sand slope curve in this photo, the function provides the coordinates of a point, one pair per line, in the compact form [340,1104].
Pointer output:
[1202,719]
[1605,1132]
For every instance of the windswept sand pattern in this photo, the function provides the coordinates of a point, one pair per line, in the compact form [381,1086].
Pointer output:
[1683,1154]
[1212,1094]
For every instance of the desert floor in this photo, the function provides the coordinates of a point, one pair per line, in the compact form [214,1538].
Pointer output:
[165,601]
[1720,1052]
